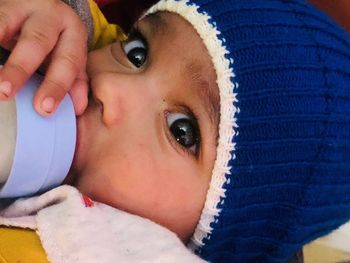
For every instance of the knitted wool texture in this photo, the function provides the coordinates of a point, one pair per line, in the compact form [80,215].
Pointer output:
[282,174]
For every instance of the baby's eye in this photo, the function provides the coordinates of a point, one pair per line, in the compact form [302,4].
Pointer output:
[185,130]
[135,48]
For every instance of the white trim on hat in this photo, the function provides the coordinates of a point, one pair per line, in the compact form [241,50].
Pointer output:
[228,123]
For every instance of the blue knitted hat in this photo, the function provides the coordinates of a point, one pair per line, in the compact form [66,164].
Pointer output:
[282,173]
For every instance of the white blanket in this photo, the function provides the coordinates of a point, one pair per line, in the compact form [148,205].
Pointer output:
[72,228]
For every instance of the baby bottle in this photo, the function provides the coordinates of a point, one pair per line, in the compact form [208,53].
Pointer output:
[36,152]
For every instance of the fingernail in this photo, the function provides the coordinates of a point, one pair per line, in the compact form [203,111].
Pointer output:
[5,88]
[48,104]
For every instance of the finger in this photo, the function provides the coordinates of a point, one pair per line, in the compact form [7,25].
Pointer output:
[39,38]
[68,60]
[79,95]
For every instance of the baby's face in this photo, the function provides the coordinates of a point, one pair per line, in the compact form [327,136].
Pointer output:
[147,142]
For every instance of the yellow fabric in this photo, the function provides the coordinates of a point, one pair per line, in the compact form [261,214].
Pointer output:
[104,33]
[20,245]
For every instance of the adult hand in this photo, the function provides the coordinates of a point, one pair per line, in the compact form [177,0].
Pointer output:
[47,31]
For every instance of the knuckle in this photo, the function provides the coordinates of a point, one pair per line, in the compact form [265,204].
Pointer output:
[70,61]
[58,86]
[19,69]
[39,37]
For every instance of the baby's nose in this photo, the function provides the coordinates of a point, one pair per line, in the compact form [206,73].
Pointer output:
[113,110]
[124,100]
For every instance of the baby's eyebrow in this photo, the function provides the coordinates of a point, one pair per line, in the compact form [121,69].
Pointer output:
[155,24]
[207,92]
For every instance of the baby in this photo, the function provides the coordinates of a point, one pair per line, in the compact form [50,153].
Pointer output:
[225,121]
